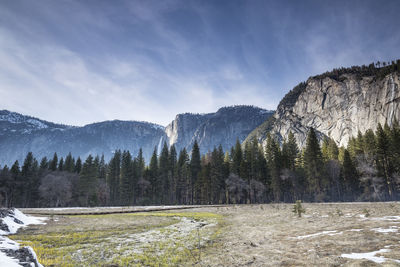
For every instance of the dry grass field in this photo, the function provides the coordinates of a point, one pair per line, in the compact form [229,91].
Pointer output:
[332,234]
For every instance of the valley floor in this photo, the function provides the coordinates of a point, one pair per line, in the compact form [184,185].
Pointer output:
[329,234]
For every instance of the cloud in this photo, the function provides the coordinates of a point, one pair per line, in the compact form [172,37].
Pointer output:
[79,62]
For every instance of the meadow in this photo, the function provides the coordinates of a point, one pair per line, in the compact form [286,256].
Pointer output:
[327,234]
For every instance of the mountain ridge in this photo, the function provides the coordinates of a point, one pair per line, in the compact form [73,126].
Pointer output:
[20,134]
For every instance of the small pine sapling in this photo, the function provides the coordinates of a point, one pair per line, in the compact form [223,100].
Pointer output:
[366,212]
[298,208]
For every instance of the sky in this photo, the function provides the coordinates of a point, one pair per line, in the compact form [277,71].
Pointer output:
[78,62]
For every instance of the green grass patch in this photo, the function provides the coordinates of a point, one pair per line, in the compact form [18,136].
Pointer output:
[136,239]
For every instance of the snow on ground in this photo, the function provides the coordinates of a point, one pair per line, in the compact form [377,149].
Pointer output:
[13,220]
[18,220]
[392,229]
[321,233]
[387,218]
[370,256]
[7,261]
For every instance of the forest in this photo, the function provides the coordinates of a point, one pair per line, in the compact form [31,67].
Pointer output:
[367,170]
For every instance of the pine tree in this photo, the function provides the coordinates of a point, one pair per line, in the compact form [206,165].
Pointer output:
[237,157]
[173,161]
[53,163]
[163,179]
[78,165]
[61,165]
[182,185]
[274,161]
[218,174]
[44,164]
[29,174]
[69,164]
[113,177]
[19,186]
[140,182]
[313,166]
[126,179]
[290,152]
[153,173]
[195,168]
[87,183]
[350,177]
[383,163]
[102,169]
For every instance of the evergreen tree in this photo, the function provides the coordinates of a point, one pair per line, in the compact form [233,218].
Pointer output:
[195,168]
[383,163]
[87,183]
[153,173]
[53,163]
[182,185]
[313,166]
[69,164]
[164,177]
[237,156]
[19,186]
[274,161]
[113,177]
[350,177]
[78,165]
[173,161]
[126,180]
[44,164]
[61,164]
[30,179]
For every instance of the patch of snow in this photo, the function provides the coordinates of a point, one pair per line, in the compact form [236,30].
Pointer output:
[355,230]
[387,218]
[15,220]
[38,124]
[318,234]
[8,261]
[392,229]
[369,256]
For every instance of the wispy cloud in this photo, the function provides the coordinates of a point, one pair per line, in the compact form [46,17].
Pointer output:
[80,62]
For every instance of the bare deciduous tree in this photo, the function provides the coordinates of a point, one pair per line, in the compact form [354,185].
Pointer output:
[237,189]
[257,191]
[373,185]
[56,188]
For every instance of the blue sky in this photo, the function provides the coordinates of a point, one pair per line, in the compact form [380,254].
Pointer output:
[78,62]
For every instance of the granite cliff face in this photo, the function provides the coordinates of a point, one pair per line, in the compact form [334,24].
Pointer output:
[335,107]
[210,130]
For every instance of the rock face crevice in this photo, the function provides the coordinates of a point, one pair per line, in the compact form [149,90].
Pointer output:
[339,108]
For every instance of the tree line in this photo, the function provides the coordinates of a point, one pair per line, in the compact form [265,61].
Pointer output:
[367,170]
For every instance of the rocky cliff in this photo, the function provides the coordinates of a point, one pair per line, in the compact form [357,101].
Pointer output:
[210,130]
[337,106]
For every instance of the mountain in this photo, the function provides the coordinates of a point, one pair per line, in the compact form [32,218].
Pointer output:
[210,130]
[337,104]
[20,134]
